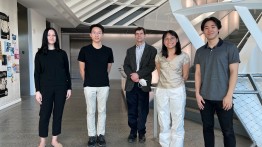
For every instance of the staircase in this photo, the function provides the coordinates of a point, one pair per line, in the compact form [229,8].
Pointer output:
[237,35]
[192,112]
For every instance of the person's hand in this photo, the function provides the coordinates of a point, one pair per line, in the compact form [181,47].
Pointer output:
[227,102]
[38,97]
[68,94]
[134,77]
[200,101]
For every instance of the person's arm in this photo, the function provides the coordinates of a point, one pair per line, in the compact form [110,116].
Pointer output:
[185,71]
[38,95]
[68,77]
[200,100]
[158,68]
[228,99]
[69,84]
[109,65]
[37,72]
[157,63]
[127,66]
[82,69]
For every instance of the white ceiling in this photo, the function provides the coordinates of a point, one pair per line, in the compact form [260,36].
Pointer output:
[111,13]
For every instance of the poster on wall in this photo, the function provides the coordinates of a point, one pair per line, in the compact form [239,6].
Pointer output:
[7,46]
[4,60]
[4,23]
[16,52]
[3,83]
[5,29]
[16,68]
[13,38]
[9,71]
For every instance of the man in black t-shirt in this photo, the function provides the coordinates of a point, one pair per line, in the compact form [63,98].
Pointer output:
[95,61]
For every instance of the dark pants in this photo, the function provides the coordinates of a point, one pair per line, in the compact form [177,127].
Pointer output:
[225,120]
[53,99]
[138,108]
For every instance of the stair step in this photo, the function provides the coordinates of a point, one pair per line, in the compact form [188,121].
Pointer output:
[190,92]
[191,103]
[190,84]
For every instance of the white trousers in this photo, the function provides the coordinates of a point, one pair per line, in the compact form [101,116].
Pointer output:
[171,101]
[93,95]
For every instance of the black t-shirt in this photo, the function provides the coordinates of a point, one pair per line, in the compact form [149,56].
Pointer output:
[96,63]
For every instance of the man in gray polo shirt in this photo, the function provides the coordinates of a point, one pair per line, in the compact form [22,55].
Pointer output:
[216,75]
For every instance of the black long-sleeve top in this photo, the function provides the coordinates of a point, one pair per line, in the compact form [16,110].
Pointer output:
[51,69]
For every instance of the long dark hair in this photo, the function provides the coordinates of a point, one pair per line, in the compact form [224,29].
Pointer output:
[44,47]
[178,45]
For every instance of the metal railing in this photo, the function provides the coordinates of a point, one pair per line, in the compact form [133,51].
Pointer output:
[244,39]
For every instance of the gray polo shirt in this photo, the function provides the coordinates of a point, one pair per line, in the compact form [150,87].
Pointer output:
[214,68]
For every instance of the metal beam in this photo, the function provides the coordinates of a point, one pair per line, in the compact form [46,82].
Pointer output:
[221,6]
[112,12]
[144,13]
[89,8]
[84,17]
[250,24]
[189,29]
[82,5]
[127,13]
[72,3]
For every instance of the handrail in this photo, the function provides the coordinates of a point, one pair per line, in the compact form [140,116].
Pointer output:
[247,34]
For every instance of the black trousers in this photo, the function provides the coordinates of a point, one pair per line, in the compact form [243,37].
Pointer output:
[53,100]
[225,120]
[138,108]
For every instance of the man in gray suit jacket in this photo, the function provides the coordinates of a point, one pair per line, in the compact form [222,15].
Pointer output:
[139,64]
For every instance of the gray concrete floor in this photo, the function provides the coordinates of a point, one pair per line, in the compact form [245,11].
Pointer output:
[19,124]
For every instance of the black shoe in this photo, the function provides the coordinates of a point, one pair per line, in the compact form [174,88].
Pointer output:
[131,138]
[142,138]
[92,141]
[101,140]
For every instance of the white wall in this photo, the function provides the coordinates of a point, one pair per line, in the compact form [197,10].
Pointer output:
[9,7]
[37,25]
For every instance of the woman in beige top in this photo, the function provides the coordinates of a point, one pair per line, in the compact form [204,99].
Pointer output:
[173,67]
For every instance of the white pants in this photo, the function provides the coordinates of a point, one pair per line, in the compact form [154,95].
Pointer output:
[93,95]
[171,101]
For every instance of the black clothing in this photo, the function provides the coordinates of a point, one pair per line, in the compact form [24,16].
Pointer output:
[147,66]
[51,69]
[52,80]
[54,98]
[96,65]
[138,108]
[225,118]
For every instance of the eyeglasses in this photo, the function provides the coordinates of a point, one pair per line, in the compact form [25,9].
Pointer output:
[170,39]
[96,33]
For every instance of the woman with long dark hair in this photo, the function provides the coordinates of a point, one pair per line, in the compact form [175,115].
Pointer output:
[173,67]
[53,85]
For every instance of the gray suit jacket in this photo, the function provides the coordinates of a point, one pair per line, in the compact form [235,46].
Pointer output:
[147,66]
